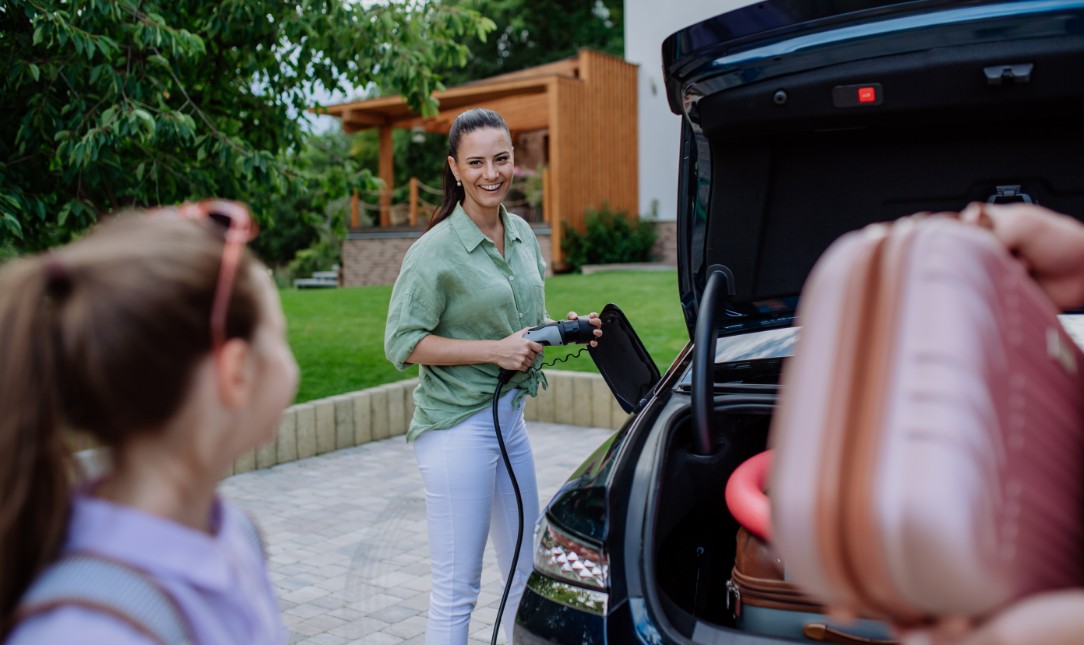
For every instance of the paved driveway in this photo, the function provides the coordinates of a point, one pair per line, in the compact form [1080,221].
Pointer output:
[346,535]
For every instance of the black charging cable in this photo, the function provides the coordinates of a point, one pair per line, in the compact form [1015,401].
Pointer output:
[502,380]
[551,334]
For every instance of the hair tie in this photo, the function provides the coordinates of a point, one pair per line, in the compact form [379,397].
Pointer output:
[58,280]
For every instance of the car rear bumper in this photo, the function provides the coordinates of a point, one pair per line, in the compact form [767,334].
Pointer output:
[542,618]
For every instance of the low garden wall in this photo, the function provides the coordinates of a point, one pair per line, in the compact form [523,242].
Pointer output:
[324,425]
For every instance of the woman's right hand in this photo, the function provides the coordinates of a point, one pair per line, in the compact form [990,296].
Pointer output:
[515,352]
[1050,244]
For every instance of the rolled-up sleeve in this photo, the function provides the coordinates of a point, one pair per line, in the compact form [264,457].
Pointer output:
[413,313]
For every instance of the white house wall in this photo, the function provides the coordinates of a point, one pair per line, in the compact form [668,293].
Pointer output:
[647,24]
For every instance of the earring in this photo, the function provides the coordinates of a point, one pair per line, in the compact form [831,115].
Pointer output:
[458,183]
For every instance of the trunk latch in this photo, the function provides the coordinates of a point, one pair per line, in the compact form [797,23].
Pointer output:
[1009,193]
[1008,74]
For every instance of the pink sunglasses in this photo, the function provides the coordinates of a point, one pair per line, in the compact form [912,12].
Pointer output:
[235,218]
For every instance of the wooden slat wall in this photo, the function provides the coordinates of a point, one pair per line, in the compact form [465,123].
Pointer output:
[593,147]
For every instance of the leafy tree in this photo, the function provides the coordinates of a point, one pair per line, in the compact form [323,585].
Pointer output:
[527,34]
[531,33]
[304,219]
[114,103]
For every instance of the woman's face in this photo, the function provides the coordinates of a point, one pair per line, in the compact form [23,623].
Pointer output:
[484,166]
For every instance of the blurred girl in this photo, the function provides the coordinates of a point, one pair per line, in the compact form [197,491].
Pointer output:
[163,338]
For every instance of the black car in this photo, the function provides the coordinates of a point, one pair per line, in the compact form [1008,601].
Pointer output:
[802,119]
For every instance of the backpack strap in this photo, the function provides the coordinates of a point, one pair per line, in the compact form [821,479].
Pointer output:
[104,585]
[251,531]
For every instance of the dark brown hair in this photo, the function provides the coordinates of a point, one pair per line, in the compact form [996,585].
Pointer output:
[102,336]
[465,123]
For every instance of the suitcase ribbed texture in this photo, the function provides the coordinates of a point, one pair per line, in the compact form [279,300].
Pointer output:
[930,437]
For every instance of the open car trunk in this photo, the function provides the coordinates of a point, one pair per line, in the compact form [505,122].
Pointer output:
[689,544]
[795,139]
[695,532]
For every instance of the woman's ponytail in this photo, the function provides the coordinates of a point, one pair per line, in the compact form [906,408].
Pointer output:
[453,194]
[35,462]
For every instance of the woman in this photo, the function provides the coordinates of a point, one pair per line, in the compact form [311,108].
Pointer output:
[163,338]
[467,291]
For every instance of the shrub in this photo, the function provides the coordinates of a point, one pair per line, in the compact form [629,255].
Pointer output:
[610,238]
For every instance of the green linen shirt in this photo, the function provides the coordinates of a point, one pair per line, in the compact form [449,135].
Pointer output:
[454,284]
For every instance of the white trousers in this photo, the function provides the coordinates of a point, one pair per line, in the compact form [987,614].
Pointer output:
[469,496]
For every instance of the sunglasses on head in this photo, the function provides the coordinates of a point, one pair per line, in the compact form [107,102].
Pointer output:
[236,222]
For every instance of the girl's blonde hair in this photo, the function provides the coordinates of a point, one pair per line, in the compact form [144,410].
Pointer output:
[101,336]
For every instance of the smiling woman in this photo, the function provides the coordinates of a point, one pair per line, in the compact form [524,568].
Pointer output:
[467,291]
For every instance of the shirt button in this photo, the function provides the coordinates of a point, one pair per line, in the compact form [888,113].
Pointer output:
[512,277]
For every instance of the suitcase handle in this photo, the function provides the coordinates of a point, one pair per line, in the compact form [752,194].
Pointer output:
[745,496]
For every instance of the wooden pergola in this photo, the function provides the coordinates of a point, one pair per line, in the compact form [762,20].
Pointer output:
[587,106]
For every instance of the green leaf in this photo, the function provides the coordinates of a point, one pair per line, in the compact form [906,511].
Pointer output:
[62,216]
[159,60]
[35,72]
[39,34]
[13,225]
[141,121]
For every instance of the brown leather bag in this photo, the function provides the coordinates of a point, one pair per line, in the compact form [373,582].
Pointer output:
[763,602]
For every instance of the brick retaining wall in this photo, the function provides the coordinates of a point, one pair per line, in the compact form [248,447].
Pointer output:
[665,249]
[375,257]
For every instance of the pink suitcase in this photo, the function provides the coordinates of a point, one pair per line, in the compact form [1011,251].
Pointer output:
[930,435]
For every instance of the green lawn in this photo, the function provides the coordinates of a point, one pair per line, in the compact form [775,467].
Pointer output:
[338,334]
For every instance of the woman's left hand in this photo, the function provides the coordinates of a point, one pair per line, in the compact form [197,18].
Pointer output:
[594,320]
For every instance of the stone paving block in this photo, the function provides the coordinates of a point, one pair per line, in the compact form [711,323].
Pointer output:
[407,628]
[305,596]
[380,638]
[358,629]
[363,417]
[267,455]
[546,400]
[344,421]
[618,415]
[410,385]
[317,625]
[583,393]
[306,430]
[305,611]
[286,442]
[565,405]
[245,463]
[378,403]
[601,404]
[325,639]
[397,416]
[330,519]
[419,601]
[530,408]
[394,614]
[325,425]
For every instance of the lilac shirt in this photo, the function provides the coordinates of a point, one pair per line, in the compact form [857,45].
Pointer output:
[219,581]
